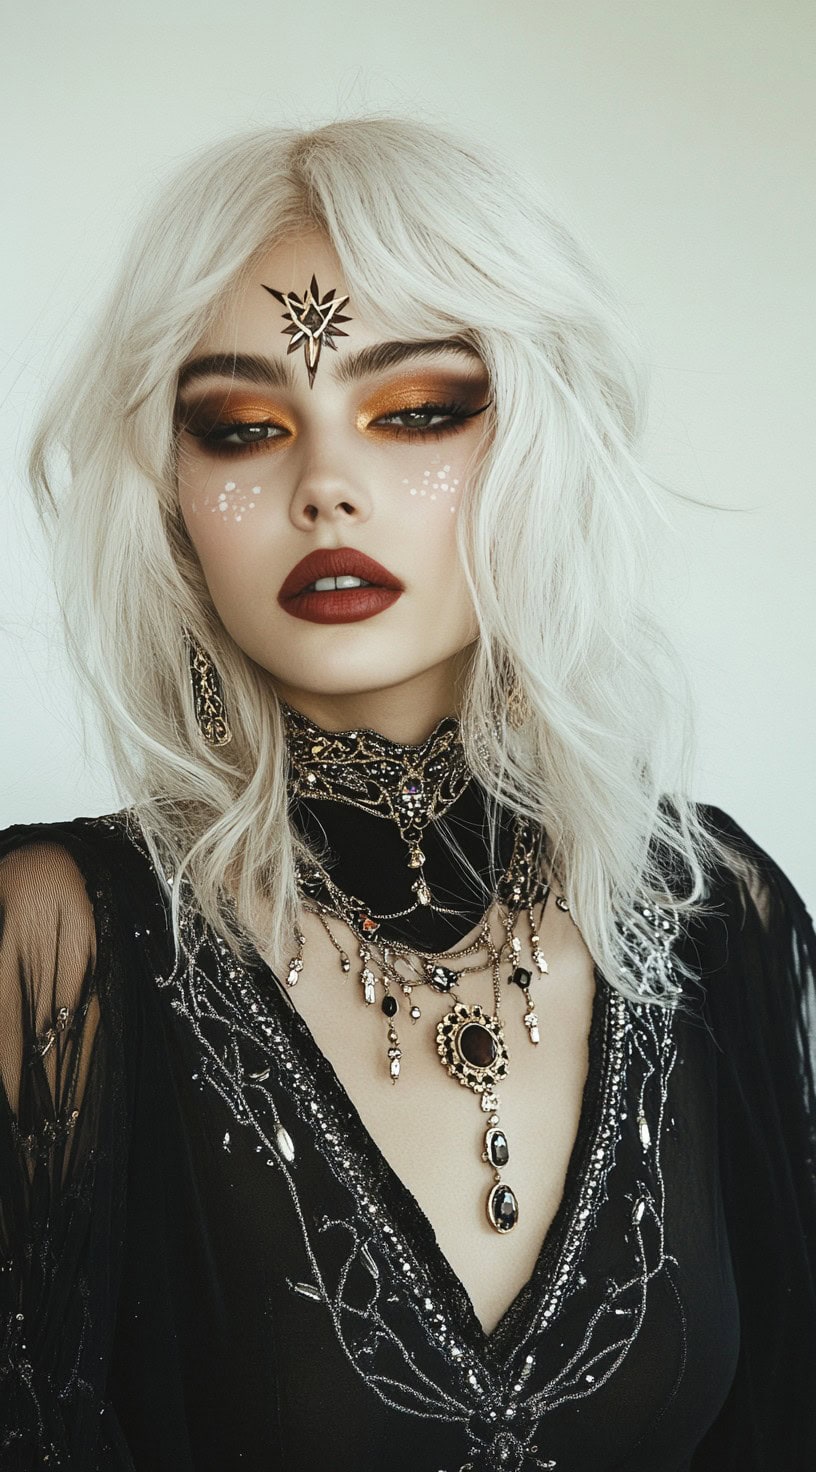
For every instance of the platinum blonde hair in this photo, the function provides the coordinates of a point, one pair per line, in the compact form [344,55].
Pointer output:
[434,239]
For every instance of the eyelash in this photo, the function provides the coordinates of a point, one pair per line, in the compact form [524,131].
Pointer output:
[216,437]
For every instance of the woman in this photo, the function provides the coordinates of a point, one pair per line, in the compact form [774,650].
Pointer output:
[351,551]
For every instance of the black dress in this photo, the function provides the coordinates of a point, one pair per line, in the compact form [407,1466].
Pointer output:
[206,1262]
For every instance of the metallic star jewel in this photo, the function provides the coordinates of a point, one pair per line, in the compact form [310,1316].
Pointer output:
[311,321]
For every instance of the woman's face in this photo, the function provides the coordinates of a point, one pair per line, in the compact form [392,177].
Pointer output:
[318,436]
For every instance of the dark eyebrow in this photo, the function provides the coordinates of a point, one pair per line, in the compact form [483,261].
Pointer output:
[384,355]
[268,372]
[277,372]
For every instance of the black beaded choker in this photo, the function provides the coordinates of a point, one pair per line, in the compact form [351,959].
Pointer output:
[410,785]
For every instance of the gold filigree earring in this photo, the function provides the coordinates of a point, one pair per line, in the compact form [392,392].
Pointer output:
[208,696]
[511,696]
[518,706]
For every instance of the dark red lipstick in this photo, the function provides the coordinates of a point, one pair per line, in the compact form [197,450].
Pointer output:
[338,605]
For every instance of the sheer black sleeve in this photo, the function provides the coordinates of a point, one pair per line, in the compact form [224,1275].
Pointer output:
[64,1112]
[759,956]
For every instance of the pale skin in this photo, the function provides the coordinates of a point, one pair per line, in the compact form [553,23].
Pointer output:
[335,465]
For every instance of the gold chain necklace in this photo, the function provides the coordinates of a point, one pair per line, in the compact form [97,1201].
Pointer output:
[412,786]
[470,1042]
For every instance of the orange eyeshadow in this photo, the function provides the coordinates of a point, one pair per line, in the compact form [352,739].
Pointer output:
[413,393]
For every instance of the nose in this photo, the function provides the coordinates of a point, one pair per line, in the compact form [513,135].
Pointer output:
[326,490]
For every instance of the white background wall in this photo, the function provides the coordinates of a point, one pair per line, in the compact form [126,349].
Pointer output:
[678,138]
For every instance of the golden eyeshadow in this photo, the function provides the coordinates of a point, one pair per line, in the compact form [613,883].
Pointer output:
[220,410]
[415,393]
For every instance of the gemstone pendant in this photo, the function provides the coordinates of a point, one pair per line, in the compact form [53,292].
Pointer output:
[416,858]
[422,892]
[502,1208]
[471,1045]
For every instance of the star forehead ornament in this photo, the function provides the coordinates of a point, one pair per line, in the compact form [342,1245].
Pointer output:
[311,321]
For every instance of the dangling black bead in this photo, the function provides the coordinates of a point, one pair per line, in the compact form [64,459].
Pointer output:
[389,1005]
[521,977]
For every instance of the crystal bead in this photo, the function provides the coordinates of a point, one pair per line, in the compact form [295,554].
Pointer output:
[416,858]
[422,892]
[531,1022]
[442,978]
[415,1014]
[284,1143]
[489,1102]
[395,1068]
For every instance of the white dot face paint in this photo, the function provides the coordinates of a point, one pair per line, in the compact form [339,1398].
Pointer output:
[234,502]
[434,481]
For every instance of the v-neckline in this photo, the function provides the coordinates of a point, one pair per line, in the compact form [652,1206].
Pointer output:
[413,1222]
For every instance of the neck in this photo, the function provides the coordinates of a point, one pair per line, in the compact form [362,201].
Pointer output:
[406,712]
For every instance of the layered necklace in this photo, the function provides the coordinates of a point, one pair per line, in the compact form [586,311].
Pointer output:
[413,786]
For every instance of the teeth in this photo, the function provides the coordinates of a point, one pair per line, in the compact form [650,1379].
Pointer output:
[327,585]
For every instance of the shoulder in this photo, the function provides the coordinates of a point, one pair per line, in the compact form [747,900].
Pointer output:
[74,878]
[747,876]
[755,947]
[739,938]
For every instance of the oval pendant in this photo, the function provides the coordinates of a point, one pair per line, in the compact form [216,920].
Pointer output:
[471,1045]
[502,1208]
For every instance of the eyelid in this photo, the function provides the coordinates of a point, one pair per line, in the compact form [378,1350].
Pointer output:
[217,411]
[416,394]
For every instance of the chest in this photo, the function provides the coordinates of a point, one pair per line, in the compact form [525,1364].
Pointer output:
[273,1295]
[431,1131]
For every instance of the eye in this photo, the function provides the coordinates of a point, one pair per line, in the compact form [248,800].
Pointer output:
[237,437]
[247,434]
[424,420]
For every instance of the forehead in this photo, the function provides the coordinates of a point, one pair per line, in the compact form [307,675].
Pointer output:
[257,319]
[254,332]
[303,255]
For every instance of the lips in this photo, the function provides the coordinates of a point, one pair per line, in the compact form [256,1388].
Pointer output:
[333,562]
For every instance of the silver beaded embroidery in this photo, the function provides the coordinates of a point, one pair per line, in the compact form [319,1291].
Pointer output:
[216,996]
